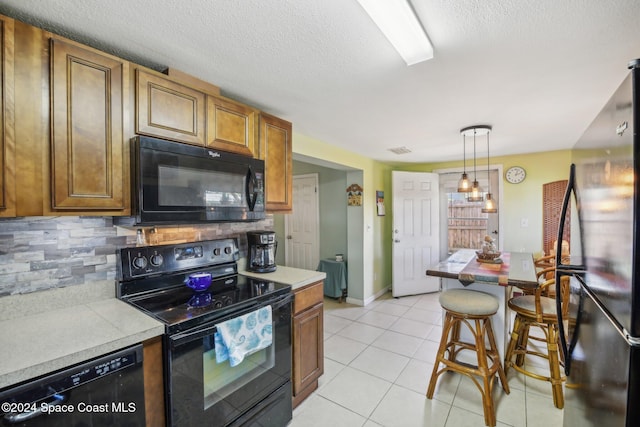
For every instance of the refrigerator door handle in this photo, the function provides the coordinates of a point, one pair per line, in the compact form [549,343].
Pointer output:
[563,270]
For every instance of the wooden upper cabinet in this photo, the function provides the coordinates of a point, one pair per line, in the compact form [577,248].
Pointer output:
[170,110]
[7,111]
[276,150]
[89,157]
[231,126]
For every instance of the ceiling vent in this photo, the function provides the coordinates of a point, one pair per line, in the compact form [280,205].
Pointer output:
[400,150]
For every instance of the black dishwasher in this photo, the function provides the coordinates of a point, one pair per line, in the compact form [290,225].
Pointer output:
[106,391]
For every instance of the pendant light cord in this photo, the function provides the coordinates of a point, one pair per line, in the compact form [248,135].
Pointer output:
[474,155]
[488,176]
[464,153]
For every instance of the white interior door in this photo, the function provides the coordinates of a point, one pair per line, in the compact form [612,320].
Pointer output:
[302,247]
[416,232]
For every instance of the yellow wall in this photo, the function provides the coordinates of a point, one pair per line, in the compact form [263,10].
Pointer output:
[518,201]
[376,250]
[522,200]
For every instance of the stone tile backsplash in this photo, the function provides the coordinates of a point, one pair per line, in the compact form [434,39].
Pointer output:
[38,253]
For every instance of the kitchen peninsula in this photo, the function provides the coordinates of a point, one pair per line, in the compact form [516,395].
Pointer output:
[462,270]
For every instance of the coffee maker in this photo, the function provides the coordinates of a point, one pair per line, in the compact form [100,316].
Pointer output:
[262,251]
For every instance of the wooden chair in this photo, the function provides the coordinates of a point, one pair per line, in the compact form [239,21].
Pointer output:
[538,310]
[544,262]
[473,309]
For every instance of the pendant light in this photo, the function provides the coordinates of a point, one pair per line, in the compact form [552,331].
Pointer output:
[464,185]
[476,192]
[490,205]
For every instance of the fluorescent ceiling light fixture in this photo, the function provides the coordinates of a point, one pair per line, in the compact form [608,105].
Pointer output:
[398,22]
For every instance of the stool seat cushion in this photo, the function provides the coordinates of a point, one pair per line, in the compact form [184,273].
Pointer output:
[528,303]
[468,302]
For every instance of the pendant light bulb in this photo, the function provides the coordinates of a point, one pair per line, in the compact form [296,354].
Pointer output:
[464,185]
[476,193]
[490,205]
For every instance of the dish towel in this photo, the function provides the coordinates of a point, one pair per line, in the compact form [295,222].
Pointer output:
[244,335]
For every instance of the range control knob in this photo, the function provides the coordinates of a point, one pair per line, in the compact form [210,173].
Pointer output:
[139,262]
[227,250]
[156,260]
[216,251]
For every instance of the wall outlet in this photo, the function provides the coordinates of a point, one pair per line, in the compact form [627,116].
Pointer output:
[524,222]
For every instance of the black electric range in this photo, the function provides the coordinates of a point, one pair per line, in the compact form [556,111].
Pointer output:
[199,388]
[152,278]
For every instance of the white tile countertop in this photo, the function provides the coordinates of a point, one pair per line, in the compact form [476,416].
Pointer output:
[296,277]
[64,331]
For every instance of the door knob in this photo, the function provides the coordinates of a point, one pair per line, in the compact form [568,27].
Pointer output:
[289,237]
[494,232]
[397,241]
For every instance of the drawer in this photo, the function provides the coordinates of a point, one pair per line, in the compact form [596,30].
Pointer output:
[308,297]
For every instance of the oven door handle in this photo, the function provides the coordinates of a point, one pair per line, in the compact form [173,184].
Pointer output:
[200,332]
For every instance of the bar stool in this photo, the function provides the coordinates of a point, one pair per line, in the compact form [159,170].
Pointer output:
[473,309]
[539,310]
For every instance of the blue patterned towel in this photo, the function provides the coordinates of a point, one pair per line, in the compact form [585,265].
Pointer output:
[243,335]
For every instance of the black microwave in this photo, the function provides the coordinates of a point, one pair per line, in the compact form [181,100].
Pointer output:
[176,183]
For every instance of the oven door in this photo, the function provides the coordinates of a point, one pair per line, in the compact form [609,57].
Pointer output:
[203,392]
[182,183]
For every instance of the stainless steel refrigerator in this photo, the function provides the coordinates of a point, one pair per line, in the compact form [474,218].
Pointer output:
[600,334]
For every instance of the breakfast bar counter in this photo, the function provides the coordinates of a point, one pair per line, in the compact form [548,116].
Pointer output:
[516,269]
[462,270]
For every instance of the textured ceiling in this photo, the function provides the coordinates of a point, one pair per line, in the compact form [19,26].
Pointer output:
[538,71]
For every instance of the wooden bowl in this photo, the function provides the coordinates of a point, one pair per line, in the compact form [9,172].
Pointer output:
[488,256]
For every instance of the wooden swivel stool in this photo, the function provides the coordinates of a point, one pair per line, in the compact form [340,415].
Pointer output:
[538,310]
[473,309]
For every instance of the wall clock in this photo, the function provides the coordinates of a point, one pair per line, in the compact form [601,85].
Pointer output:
[515,175]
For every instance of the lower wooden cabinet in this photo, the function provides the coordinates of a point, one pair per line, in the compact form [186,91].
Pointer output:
[153,382]
[308,340]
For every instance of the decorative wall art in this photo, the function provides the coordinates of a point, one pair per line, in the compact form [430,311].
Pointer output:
[354,195]
[380,202]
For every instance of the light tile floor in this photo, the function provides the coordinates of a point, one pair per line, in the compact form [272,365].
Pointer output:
[378,360]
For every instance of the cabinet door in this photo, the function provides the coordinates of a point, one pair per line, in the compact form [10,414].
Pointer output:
[231,126]
[308,354]
[169,110]
[7,111]
[87,116]
[276,150]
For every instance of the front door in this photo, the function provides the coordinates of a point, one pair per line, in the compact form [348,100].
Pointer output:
[416,232]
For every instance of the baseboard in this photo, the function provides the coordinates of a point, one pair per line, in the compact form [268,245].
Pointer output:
[369,300]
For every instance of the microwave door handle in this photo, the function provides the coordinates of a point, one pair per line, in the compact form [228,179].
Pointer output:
[250,186]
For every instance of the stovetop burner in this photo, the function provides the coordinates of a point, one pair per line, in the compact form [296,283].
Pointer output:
[180,304]
[152,279]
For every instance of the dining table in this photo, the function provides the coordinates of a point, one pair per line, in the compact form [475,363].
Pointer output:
[463,270]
